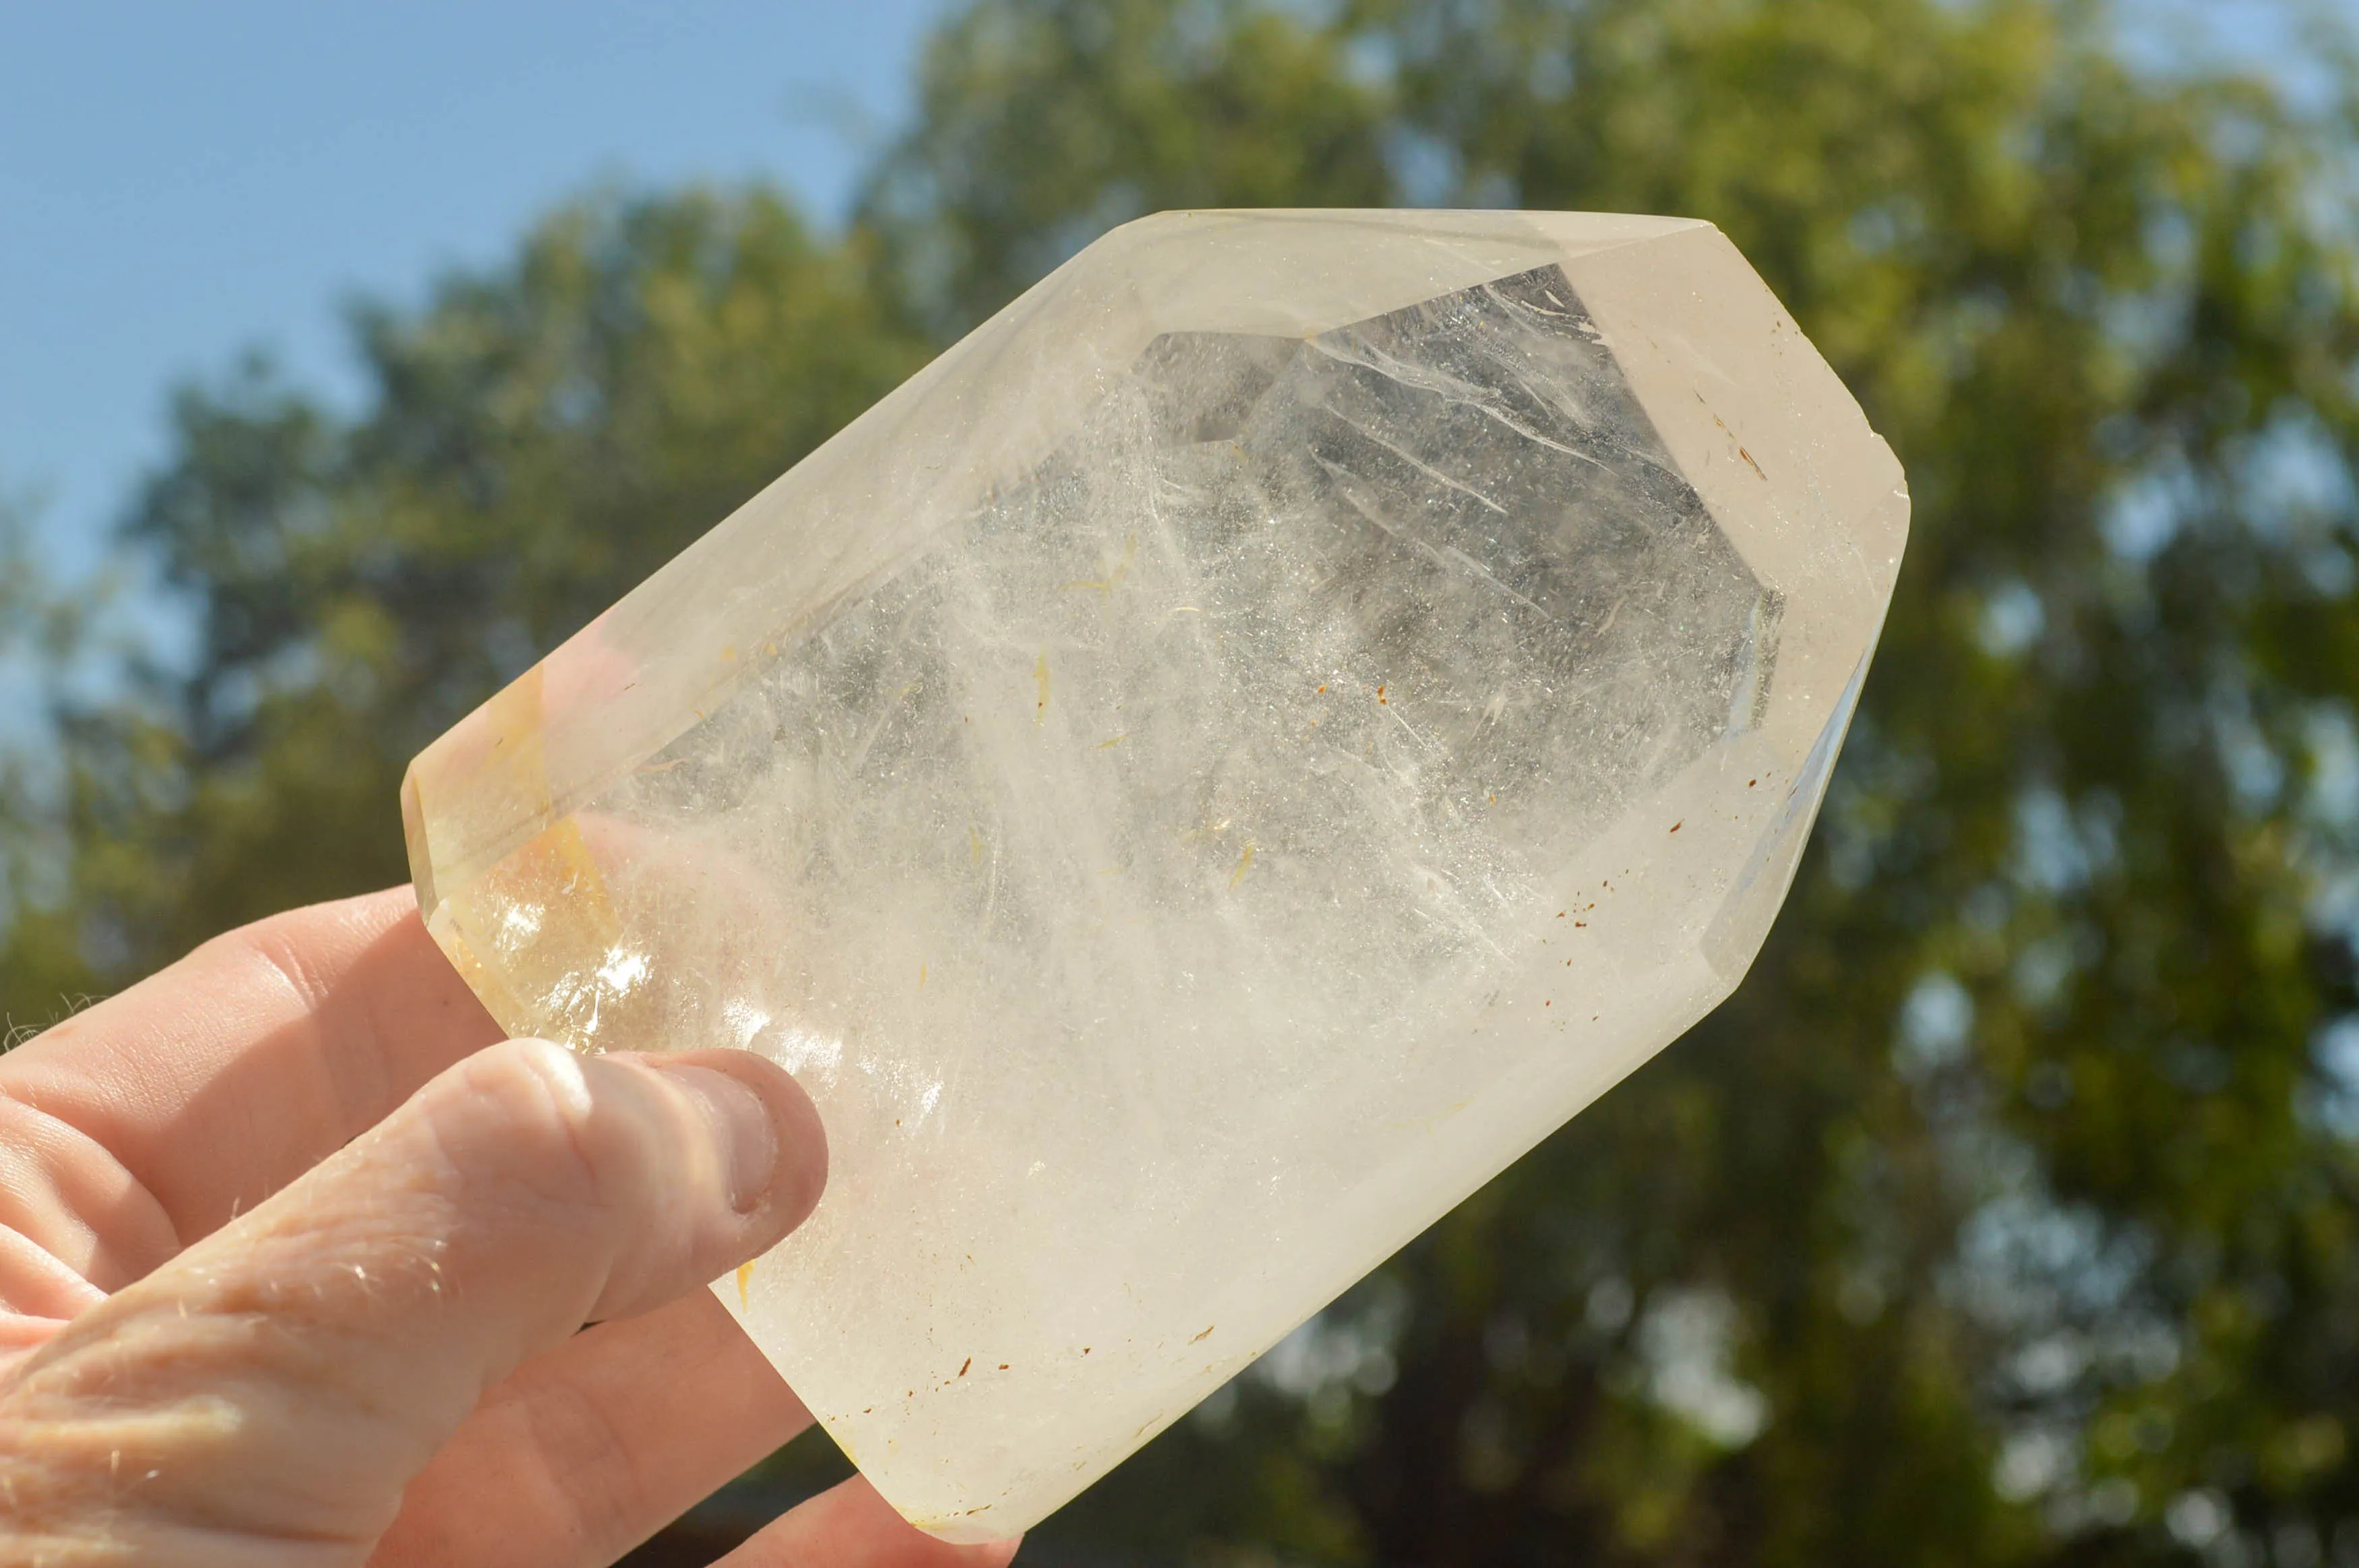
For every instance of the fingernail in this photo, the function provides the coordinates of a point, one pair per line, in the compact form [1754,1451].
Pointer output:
[742,1125]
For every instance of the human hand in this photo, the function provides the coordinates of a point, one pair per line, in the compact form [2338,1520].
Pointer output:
[295,1256]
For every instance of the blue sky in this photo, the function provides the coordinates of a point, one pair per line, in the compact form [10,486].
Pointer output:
[178,182]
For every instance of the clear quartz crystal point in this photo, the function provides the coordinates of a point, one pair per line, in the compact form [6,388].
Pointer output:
[1195,783]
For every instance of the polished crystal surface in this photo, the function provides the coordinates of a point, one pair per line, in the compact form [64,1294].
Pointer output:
[1195,783]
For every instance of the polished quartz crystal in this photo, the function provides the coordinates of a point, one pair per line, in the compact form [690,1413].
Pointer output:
[1195,783]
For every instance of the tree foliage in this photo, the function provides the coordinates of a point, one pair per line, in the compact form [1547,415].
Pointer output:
[535,440]
[2007,1214]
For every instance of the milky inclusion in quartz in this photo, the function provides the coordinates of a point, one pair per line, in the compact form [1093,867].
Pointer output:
[1195,783]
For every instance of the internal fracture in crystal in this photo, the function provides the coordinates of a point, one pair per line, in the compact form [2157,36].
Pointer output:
[1195,782]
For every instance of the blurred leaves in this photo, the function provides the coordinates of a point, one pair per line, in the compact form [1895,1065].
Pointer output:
[2006,1214]
[537,439]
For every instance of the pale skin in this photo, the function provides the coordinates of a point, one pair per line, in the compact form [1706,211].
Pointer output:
[296,1253]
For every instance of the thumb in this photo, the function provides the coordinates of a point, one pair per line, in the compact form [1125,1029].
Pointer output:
[266,1396]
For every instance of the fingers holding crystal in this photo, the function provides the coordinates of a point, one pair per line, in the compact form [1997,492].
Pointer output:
[162,1112]
[334,1338]
[591,1448]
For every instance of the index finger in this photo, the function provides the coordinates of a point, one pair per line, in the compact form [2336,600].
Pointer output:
[217,1081]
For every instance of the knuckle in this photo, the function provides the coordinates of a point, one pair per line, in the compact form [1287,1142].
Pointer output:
[563,1157]
[275,947]
[523,1115]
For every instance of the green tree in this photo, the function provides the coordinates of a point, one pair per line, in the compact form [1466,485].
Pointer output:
[534,440]
[2006,1214]
[2012,1184]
